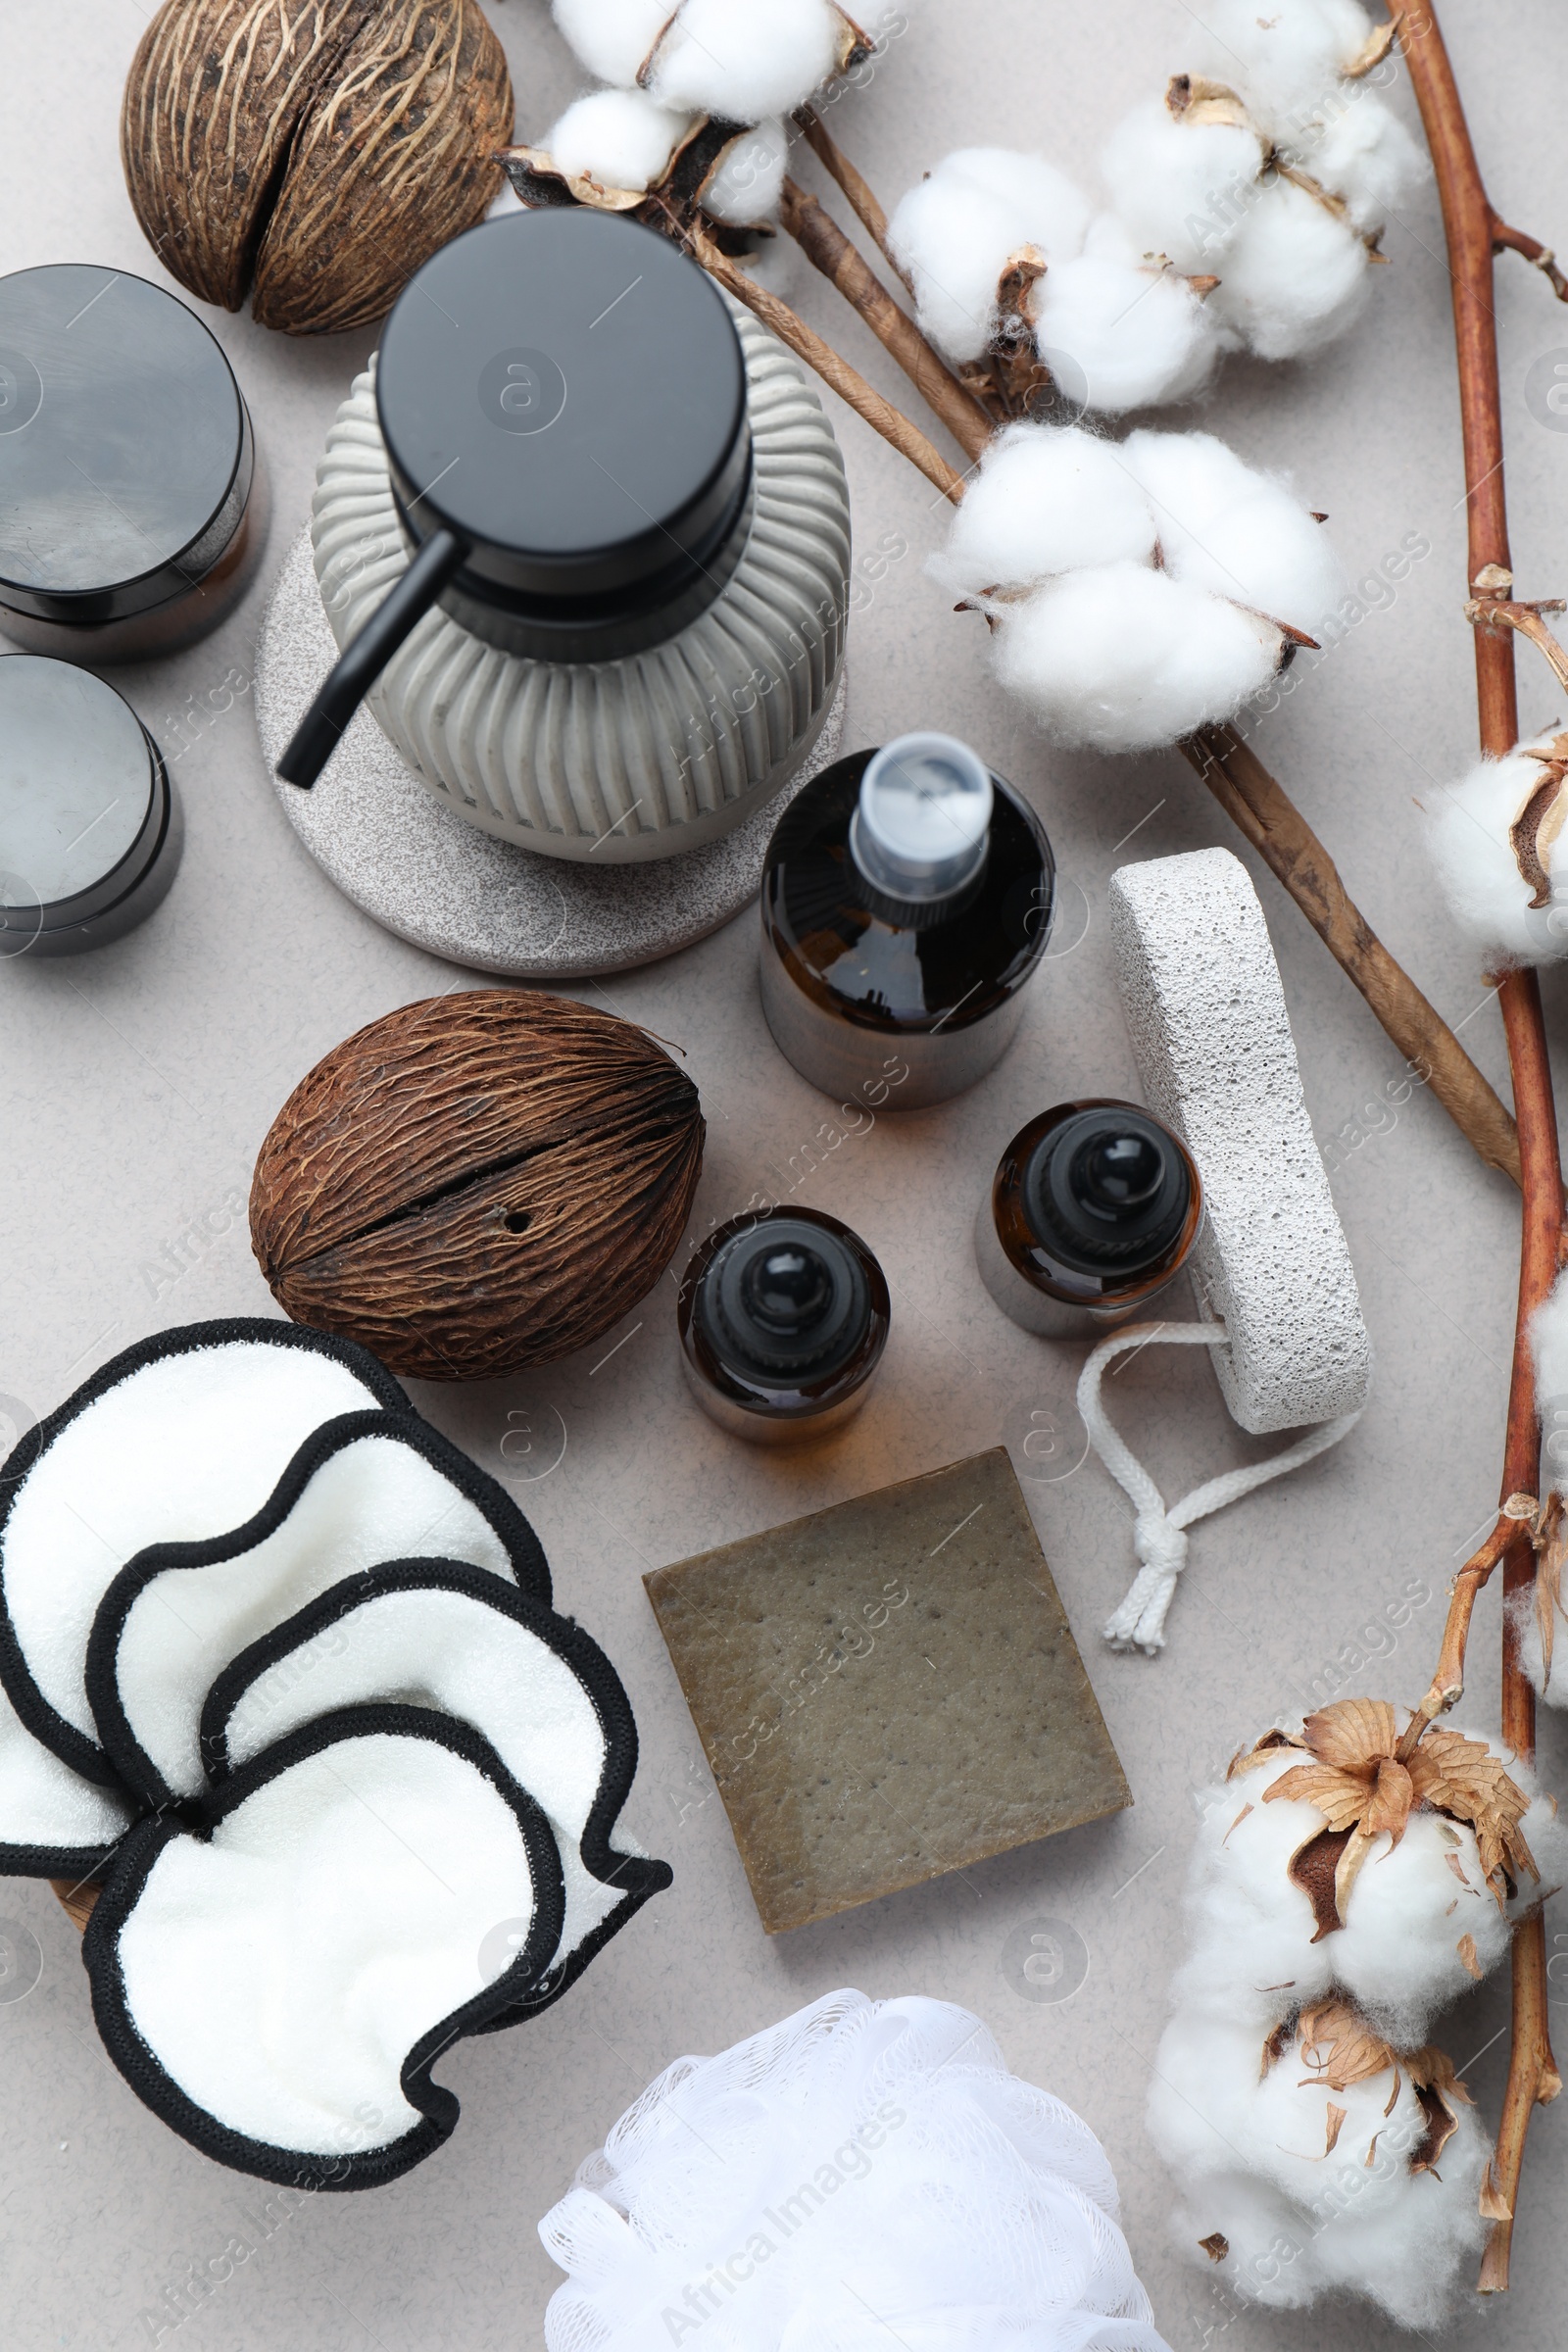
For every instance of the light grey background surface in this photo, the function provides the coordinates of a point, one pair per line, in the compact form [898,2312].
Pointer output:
[137,1085]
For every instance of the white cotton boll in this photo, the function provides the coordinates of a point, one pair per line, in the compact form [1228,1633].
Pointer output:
[1050,210]
[955,243]
[1122,659]
[750,181]
[1279,58]
[1367,2220]
[621,138]
[1226,528]
[745,59]
[1047,499]
[1271,2256]
[1182,188]
[1133,336]
[1467,835]
[612,37]
[1252,1956]
[1295,277]
[1254,1952]
[1549,1344]
[1362,152]
[955,231]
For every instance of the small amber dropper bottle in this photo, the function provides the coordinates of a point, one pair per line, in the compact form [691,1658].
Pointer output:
[783,1319]
[1095,1209]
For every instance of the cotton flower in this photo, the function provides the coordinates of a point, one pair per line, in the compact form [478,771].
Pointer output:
[617,138]
[1274,169]
[862,2172]
[750,179]
[742,60]
[1320,2160]
[1118,334]
[1341,1891]
[1493,839]
[958,230]
[1537,1614]
[1134,593]
[1283,57]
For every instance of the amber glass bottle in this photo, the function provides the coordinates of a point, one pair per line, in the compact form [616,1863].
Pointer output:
[783,1319]
[1094,1210]
[907,900]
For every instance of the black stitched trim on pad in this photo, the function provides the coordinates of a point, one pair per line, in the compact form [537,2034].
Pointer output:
[438,2107]
[638,1876]
[80,1864]
[63,1738]
[135,1767]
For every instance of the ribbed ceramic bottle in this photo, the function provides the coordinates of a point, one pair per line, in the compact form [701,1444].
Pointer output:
[620,761]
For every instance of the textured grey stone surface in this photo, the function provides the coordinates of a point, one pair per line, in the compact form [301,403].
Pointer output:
[1211,1035]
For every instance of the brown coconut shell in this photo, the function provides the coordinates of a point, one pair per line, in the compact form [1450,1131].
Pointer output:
[478,1182]
[315,151]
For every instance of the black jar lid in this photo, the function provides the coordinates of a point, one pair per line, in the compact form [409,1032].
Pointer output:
[1107,1190]
[81,797]
[566,392]
[784,1301]
[124,447]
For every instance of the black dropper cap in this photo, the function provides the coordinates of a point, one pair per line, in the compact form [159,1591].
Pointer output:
[1107,1191]
[783,1303]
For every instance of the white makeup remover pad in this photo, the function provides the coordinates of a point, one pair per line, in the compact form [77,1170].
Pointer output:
[278,1987]
[180,1435]
[433,1634]
[364,1490]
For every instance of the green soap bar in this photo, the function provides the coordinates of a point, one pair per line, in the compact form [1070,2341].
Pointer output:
[887,1690]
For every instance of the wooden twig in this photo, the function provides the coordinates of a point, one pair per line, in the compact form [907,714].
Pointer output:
[1473,231]
[862,201]
[1503,612]
[826,247]
[1447,1684]
[1282,836]
[846,381]
[1540,257]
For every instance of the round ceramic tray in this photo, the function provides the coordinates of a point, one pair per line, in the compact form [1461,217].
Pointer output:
[424,874]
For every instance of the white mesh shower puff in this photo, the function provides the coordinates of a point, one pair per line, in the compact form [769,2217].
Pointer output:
[863,2166]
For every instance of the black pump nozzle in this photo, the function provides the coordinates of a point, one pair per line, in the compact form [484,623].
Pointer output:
[362,659]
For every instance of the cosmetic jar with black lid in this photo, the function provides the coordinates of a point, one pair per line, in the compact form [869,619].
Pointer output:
[90,830]
[1095,1209]
[783,1320]
[132,504]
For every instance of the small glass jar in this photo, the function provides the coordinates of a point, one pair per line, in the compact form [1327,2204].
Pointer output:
[1094,1211]
[906,901]
[783,1319]
[132,508]
[90,829]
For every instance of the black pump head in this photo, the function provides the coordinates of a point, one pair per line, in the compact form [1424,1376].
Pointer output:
[1107,1190]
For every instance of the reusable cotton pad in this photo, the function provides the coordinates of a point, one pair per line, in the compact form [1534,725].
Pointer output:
[182,1436]
[365,1488]
[434,1634]
[278,1985]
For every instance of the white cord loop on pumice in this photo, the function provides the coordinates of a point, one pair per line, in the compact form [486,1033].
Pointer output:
[1158,1537]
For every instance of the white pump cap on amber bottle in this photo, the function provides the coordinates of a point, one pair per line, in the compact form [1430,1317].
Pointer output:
[920,830]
